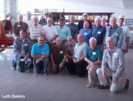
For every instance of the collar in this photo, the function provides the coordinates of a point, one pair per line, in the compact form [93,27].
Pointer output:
[87,29]
[113,49]
[114,27]
[39,46]
[98,27]
[94,48]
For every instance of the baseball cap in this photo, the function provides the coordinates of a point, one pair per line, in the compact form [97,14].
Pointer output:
[85,14]
[121,16]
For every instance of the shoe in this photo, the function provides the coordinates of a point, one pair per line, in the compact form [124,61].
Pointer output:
[46,74]
[13,68]
[127,85]
[28,70]
[90,85]
[103,87]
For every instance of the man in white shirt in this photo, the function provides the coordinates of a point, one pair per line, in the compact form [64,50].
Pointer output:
[126,34]
[35,30]
[50,32]
[29,21]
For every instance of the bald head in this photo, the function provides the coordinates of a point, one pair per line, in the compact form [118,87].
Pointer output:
[80,38]
[69,40]
[58,41]
[113,21]
[49,21]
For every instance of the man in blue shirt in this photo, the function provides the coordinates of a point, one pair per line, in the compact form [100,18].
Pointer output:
[22,51]
[63,31]
[40,53]
[86,32]
[98,32]
[93,56]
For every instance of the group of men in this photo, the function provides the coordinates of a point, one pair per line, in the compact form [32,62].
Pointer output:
[97,50]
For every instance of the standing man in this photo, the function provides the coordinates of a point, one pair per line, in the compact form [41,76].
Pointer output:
[22,52]
[40,52]
[63,31]
[58,56]
[80,24]
[115,32]
[99,32]
[50,32]
[113,65]
[103,22]
[86,32]
[29,21]
[93,56]
[73,27]
[126,34]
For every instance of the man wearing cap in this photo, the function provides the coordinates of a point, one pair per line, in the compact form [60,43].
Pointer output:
[126,34]
[86,32]
[98,32]
[73,27]
[63,31]
[115,32]
[80,24]
[29,21]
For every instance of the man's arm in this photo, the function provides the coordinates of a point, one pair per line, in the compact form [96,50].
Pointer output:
[120,41]
[16,48]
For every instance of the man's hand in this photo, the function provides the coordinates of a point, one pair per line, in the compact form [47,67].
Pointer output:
[61,65]
[69,57]
[54,66]
[49,41]
[104,74]
[74,60]
[93,64]
[115,80]
[38,60]
[126,51]
[25,59]
[88,67]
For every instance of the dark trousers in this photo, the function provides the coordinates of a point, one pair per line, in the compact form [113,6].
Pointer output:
[79,67]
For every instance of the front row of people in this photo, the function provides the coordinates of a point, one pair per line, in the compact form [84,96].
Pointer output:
[75,57]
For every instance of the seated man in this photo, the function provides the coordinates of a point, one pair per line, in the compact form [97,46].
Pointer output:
[22,50]
[93,56]
[113,65]
[40,53]
[70,48]
[78,66]
[58,56]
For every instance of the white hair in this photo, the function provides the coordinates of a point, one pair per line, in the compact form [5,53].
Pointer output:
[93,39]
[72,16]
[98,18]
[69,37]
[58,38]
[49,19]
[110,38]
[47,12]
[113,17]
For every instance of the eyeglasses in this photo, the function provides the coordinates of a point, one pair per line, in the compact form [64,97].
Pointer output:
[46,14]
[41,40]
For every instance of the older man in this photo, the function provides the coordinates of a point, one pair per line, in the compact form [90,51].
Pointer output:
[99,32]
[35,30]
[126,34]
[80,24]
[50,32]
[18,26]
[22,51]
[43,20]
[70,48]
[63,31]
[113,65]
[58,56]
[93,56]
[73,27]
[103,23]
[29,21]
[86,32]
[40,52]
[115,32]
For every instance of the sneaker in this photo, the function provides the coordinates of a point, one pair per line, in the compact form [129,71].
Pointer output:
[28,70]
[103,87]
[13,68]
[46,74]
[90,85]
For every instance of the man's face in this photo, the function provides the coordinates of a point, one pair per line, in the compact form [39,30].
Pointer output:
[49,22]
[22,34]
[86,25]
[98,22]
[41,41]
[58,42]
[46,15]
[121,20]
[80,38]
[71,20]
[35,20]
[20,18]
[110,43]
[92,43]
[29,16]
[61,22]
[69,41]
[103,21]
[85,18]
[113,22]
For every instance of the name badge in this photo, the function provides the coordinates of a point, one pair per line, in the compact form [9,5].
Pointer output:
[61,52]
[43,52]
[25,45]
[115,55]
[18,25]
[99,32]
[94,53]
[85,33]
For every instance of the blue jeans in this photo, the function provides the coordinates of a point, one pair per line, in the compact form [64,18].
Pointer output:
[56,70]
[21,64]
[42,65]
[14,64]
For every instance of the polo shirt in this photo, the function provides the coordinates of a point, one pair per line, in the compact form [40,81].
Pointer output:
[29,22]
[80,24]
[93,55]
[86,34]
[79,50]
[35,31]
[98,33]
[58,53]
[50,32]
[63,32]
[74,29]
[37,50]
